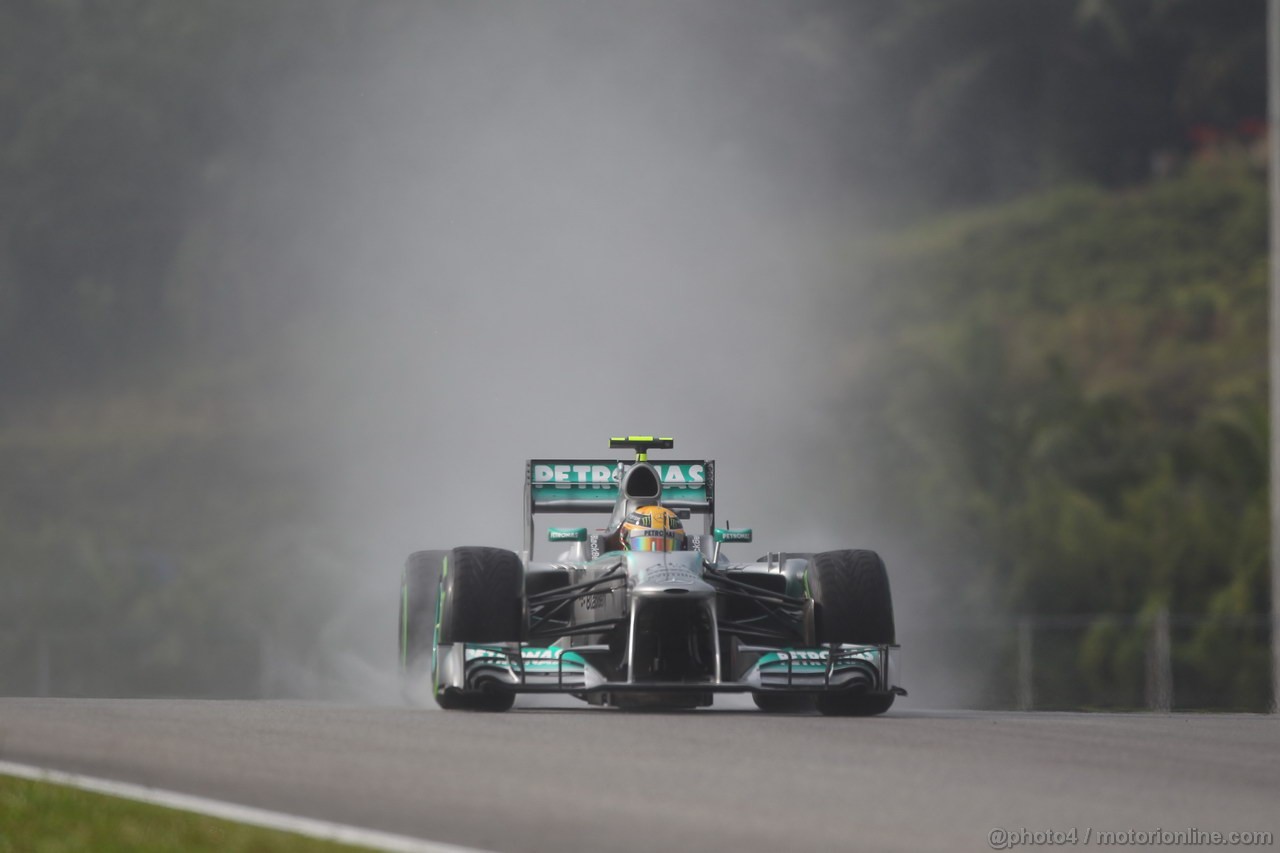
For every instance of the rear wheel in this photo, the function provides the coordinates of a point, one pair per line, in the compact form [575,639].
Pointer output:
[481,601]
[853,605]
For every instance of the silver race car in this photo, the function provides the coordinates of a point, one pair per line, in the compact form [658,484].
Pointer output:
[643,613]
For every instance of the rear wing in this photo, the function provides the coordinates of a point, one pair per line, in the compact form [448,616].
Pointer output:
[591,486]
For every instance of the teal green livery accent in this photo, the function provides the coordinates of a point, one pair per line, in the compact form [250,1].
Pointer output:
[550,658]
[796,661]
[542,493]
[567,534]
[813,659]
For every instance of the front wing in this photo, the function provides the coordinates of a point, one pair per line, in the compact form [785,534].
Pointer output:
[518,668]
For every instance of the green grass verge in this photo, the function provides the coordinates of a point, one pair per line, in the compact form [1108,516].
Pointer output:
[37,817]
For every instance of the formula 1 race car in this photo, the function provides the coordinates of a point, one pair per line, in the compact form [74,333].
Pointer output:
[641,613]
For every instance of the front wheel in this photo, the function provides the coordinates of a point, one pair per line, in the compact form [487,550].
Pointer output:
[783,703]
[855,705]
[481,601]
[853,605]
[485,701]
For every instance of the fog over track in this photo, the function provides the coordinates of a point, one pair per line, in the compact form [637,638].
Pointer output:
[516,234]
[560,778]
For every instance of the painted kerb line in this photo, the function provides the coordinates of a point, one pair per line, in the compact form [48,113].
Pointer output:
[310,827]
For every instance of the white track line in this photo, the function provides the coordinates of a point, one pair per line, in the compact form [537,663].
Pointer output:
[322,829]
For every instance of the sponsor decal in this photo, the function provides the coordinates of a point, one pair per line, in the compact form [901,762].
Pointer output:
[552,660]
[643,531]
[567,474]
[659,521]
[818,657]
[795,659]
[484,654]
[682,474]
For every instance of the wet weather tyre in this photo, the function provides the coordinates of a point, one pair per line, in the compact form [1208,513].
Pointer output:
[853,605]
[482,597]
[418,587]
[851,591]
[858,705]
[481,601]
[783,703]
[475,701]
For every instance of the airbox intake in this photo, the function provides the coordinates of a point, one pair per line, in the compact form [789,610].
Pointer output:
[641,483]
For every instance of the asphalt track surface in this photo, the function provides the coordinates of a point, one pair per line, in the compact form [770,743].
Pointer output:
[547,779]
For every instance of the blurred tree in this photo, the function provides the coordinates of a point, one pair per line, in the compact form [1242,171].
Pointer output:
[992,97]
[1067,399]
[125,126]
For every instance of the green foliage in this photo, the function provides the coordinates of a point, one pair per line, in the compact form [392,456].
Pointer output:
[1068,398]
[126,130]
[143,553]
[988,98]
[150,152]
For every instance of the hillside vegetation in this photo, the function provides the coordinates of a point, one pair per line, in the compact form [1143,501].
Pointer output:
[142,552]
[1067,400]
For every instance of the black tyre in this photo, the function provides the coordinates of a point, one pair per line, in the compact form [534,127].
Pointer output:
[418,587]
[783,703]
[853,605]
[475,701]
[481,601]
[851,590]
[482,597]
[854,705]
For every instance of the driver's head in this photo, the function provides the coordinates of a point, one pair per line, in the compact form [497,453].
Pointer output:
[653,528]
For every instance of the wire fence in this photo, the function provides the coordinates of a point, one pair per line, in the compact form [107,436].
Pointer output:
[1156,661]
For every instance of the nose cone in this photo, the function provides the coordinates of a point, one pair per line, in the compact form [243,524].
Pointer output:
[670,574]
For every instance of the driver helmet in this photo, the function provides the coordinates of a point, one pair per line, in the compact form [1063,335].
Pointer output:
[653,528]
